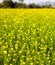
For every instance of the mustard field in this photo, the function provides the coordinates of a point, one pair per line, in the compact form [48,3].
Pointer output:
[27,36]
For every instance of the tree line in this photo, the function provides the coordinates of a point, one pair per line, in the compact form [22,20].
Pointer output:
[20,4]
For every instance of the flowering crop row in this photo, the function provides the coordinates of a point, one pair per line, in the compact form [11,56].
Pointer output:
[27,37]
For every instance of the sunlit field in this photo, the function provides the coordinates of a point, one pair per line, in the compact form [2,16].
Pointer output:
[27,36]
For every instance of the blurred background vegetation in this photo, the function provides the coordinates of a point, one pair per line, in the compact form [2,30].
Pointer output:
[20,4]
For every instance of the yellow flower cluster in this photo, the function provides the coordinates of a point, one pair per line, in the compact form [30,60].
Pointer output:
[27,37]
